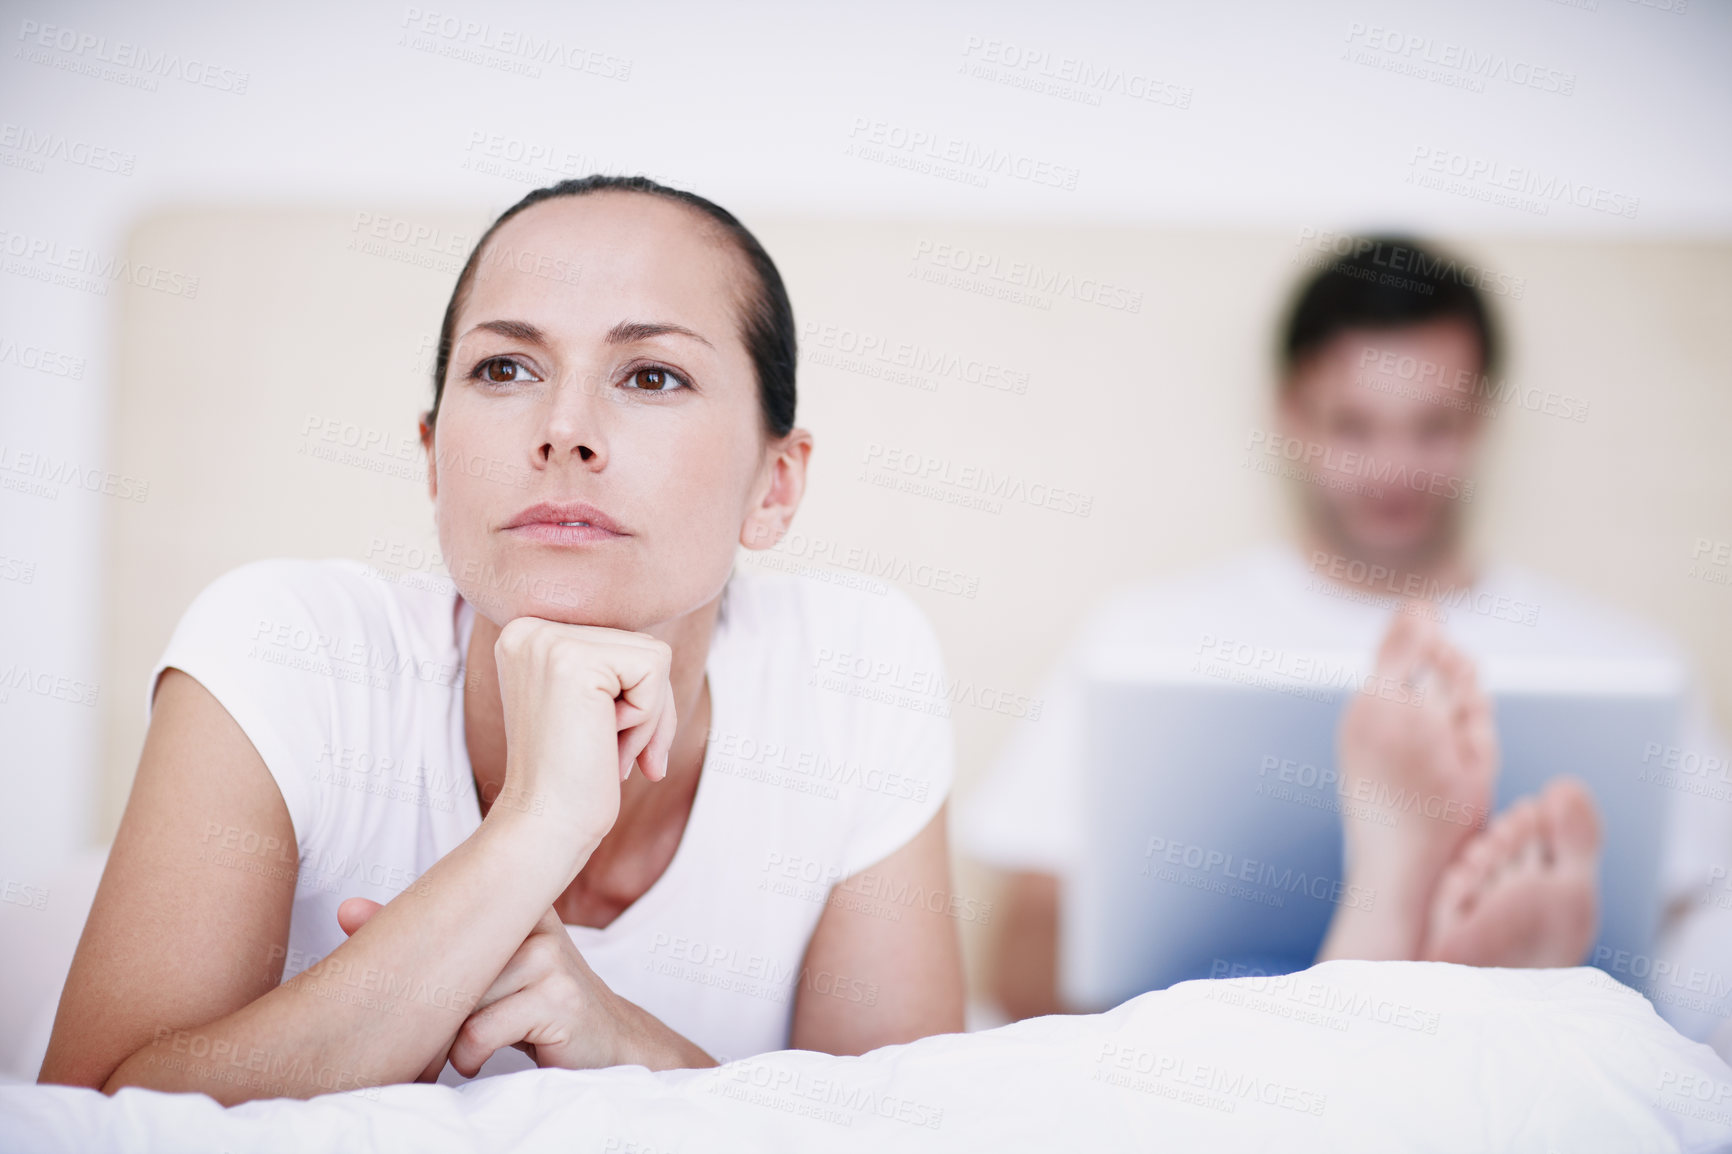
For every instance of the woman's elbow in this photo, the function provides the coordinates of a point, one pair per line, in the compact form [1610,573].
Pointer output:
[59,1070]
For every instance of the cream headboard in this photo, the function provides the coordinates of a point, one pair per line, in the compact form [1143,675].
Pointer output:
[1026,361]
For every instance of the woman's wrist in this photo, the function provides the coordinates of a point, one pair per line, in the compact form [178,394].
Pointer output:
[642,1039]
[528,791]
[540,835]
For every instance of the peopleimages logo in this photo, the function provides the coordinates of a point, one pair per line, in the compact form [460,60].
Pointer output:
[1020,278]
[1469,64]
[927,689]
[871,563]
[860,351]
[484,42]
[38,147]
[874,139]
[1066,77]
[1264,877]
[1389,370]
[1397,584]
[1405,259]
[87,50]
[42,258]
[54,472]
[1531,189]
[1327,459]
[890,463]
[40,359]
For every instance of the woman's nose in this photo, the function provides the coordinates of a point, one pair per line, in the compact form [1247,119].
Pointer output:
[574,423]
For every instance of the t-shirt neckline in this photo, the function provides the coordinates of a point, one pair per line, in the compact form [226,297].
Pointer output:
[658,891]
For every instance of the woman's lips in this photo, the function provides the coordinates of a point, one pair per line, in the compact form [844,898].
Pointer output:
[552,533]
[566,513]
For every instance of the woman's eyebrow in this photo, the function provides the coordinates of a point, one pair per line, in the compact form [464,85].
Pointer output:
[626,332]
[516,330]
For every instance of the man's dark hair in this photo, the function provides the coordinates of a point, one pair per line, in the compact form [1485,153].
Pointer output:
[768,320]
[1386,282]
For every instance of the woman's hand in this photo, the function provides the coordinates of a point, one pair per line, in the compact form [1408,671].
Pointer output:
[582,704]
[548,1003]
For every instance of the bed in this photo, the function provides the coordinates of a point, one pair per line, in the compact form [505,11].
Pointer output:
[1345,1056]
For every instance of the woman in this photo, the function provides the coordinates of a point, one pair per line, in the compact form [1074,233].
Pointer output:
[669,841]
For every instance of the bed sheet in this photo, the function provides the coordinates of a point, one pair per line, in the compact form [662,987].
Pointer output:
[1346,1056]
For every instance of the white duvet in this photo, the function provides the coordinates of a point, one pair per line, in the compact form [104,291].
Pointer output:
[1347,1056]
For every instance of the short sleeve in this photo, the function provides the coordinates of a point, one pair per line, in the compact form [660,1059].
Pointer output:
[244,639]
[909,760]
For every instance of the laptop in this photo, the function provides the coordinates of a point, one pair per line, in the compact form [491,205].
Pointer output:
[1211,798]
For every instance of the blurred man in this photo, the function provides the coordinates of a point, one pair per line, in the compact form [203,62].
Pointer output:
[1389,378]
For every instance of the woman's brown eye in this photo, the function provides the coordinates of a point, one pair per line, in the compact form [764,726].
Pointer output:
[652,379]
[501,372]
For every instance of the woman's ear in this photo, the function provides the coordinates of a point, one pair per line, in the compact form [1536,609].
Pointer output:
[779,491]
[426,431]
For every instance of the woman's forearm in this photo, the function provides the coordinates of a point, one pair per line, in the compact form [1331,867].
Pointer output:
[384,1004]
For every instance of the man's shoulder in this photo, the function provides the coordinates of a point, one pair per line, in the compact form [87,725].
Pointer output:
[1574,622]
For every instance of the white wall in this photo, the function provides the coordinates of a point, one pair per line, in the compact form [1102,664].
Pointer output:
[759,106]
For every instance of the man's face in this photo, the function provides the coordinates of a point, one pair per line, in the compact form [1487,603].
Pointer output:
[1390,421]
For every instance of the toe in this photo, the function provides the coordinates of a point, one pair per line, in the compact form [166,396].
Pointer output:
[1452,907]
[1476,733]
[1516,826]
[1481,856]
[1572,819]
[1454,671]
[1401,646]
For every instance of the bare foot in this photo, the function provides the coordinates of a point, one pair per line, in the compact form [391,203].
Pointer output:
[1418,759]
[1417,749]
[1524,892]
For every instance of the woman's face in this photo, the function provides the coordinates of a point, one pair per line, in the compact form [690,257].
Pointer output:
[598,368]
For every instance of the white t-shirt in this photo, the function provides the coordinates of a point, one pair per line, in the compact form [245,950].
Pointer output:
[1025,815]
[349,685]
